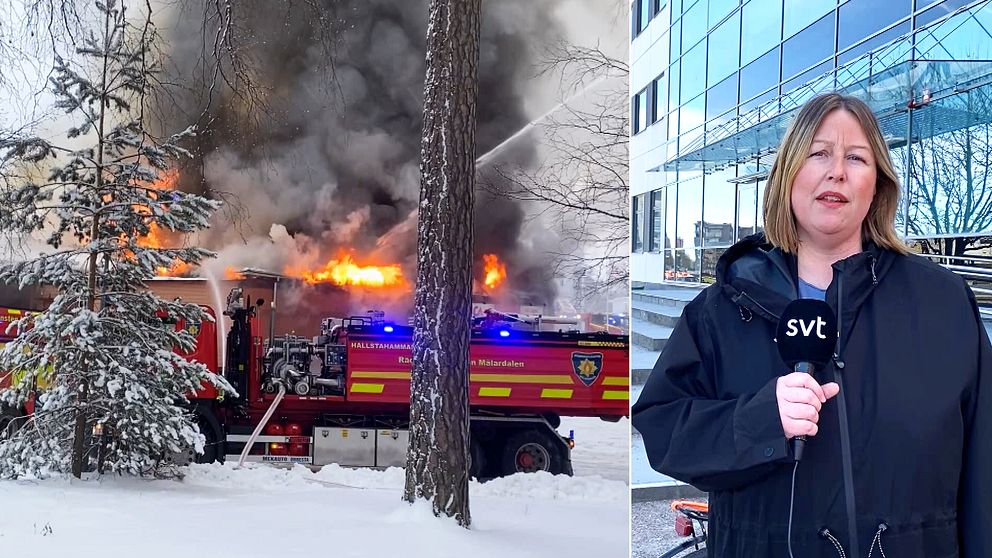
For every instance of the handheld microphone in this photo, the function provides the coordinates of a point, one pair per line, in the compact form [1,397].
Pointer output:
[806,334]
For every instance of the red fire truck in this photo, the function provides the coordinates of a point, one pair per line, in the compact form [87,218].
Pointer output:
[343,396]
[348,392]
[8,316]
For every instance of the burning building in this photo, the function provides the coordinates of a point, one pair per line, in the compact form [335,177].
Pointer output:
[320,165]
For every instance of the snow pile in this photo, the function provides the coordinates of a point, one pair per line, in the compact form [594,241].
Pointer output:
[221,511]
[547,487]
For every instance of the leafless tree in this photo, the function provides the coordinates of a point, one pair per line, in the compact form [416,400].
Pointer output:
[951,190]
[438,458]
[582,184]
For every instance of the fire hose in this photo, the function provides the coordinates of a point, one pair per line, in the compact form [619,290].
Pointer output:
[258,430]
[261,424]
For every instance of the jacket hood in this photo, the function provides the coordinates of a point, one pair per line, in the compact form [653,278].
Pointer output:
[764,279]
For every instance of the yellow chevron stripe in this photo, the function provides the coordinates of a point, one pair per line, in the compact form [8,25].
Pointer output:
[494,392]
[366,388]
[522,378]
[548,393]
[614,394]
[382,375]
[616,381]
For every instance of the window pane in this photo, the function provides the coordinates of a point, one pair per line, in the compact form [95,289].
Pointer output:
[687,265]
[671,208]
[724,49]
[694,24]
[693,82]
[642,110]
[669,265]
[810,75]
[673,124]
[937,12]
[876,41]
[949,167]
[761,28]
[898,156]
[645,13]
[660,99]
[635,224]
[965,36]
[657,214]
[690,213]
[710,259]
[633,18]
[652,89]
[673,85]
[675,36]
[758,101]
[634,124]
[693,116]
[746,209]
[722,97]
[759,75]
[800,13]
[718,208]
[761,204]
[861,18]
[719,9]
[809,47]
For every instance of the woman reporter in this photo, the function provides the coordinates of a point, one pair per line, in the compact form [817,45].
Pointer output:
[899,457]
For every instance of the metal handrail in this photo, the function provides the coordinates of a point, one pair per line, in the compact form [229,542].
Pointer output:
[966,258]
[969,270]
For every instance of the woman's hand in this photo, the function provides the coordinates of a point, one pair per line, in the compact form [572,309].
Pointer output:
[799,401]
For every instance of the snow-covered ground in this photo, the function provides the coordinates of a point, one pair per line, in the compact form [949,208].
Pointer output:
[263,511]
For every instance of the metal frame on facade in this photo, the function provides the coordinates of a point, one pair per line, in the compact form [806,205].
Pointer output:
[774,124]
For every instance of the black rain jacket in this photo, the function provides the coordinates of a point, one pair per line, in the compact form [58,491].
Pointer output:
[904,453]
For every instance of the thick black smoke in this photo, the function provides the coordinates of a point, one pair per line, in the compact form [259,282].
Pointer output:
[333,161]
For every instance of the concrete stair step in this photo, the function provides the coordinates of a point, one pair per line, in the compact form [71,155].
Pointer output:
[673,296]
[655,313]
[641,363]
[649,335]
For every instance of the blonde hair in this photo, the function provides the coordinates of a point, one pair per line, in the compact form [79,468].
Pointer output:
[780,221]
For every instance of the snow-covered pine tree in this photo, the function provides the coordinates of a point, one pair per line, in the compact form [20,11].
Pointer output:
[103,350]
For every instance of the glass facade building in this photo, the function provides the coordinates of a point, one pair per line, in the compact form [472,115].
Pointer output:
[714,84]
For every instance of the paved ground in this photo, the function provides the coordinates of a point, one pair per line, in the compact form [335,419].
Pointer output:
[652,529]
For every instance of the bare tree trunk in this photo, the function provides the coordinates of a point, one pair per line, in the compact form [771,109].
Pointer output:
[79,435]
[438,458]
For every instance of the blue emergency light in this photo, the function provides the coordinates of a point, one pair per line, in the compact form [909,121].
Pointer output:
[387,329]
[504,333]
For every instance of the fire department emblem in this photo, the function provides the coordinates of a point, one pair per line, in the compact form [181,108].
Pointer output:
[587,366]
[193,329]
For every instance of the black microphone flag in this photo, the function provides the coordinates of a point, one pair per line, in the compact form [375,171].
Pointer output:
[807,332]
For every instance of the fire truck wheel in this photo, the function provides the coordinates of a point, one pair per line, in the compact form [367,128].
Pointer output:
[213,446]
[530,451]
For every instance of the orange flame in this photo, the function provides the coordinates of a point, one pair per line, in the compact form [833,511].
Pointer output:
[495,271]
[345,272]
[232,274]
[156,237]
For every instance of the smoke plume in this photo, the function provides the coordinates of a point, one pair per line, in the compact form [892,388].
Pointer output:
[332,163]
